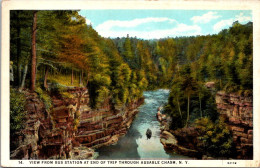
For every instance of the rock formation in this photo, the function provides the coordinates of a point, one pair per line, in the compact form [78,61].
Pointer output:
[177,141]
[238,110]
[56,133]
[103,126]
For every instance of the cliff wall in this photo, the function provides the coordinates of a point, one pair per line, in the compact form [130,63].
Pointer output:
[105,126]
[238,111]
[70,129]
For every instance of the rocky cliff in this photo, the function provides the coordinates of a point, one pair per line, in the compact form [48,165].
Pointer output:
[182,141]
[238,111]
[105,126]
[70,129]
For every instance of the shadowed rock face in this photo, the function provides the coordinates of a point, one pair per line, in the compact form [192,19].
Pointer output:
[53,135]
[238,110]
[47,134]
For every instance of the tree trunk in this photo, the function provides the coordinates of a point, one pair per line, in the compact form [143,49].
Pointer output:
[71,76]
[178,70]
[87,80]
[24,77]
[45,84]
[188,111]
[179,107]
[19,74]
[11,74]
[80,79]
[200,106]
[18,51]
[82,74]
[33,66]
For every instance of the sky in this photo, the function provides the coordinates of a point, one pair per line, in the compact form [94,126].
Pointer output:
[156,24]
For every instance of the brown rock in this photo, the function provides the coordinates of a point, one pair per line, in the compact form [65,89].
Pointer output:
[60,112]
[250,132]
[210,84]
[62,120]
[246,145]
[167,139]
[243,140]
[57,102]
[250,137]
[234,120]
[237,129]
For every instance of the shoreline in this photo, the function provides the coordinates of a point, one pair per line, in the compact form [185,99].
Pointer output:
[170,142]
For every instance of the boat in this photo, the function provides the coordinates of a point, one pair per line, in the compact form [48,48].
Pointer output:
[148,133]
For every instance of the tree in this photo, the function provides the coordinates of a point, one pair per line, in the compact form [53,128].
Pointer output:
[33,62]
[189,86]
[20,45]
[214,137]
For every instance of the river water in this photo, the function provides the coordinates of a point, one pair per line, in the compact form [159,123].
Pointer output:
[135,145]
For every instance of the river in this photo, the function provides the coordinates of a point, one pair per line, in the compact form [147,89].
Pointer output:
[135,145]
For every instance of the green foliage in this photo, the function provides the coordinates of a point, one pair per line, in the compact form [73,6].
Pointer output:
[215,138]
[188,100]
[76,123]
[57,88]
[44,97]
[66,95]
[17,111]
[98,89]
[20,44]
[225,58]
[128,50]
[62,80]
[121,69]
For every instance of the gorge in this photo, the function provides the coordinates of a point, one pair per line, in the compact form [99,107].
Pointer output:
[92,97]
[120,134]
[54,136]
[135,144]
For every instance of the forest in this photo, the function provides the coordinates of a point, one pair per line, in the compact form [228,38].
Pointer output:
[57,49]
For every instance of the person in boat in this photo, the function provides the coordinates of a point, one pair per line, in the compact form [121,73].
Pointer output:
[148,133]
